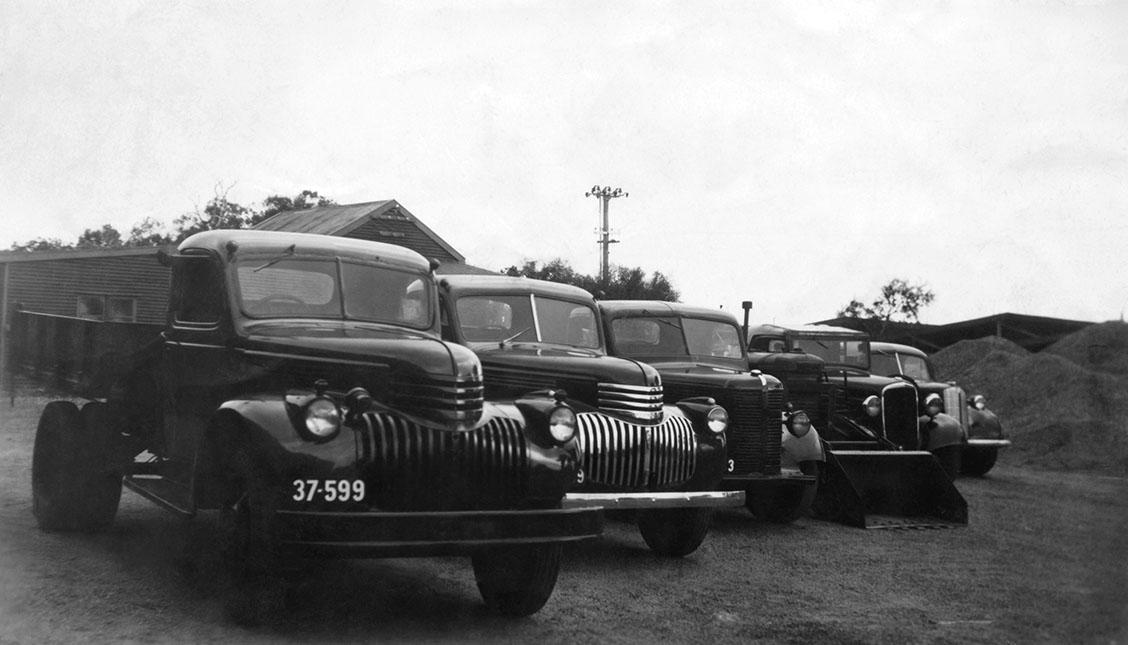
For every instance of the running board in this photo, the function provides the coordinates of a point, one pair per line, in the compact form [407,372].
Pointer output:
[170,495]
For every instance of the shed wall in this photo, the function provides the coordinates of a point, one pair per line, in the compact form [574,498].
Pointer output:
[53,286]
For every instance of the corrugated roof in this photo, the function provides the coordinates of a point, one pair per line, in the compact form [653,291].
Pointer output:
[323,220]
[70,254]
[381,221]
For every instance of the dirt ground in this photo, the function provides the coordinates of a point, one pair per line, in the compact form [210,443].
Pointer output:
[1044,559]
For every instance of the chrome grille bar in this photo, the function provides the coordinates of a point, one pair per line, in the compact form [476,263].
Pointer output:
[627,455]
[636,401]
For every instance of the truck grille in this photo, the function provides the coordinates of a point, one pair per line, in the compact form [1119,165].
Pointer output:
[413,467]
[955,404]
[754,433]
[450,400]
[626,455]
[635,401]
[900,416]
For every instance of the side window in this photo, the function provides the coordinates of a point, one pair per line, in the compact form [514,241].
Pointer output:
[197,291]
[91,307]
[767,344]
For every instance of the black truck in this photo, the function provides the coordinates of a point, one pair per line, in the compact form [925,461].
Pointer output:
[301,389]
[774,454]
[663,462]
[880,468]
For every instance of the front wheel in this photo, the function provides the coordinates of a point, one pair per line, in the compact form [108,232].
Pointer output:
[517,580]
[75,485]
[784,504]
[675,531]
[977,462]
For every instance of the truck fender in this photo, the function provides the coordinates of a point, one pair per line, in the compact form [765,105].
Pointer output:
[798,449]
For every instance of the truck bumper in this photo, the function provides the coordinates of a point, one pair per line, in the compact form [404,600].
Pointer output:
[786,478]
[982,444]
[372,534]
[628,501]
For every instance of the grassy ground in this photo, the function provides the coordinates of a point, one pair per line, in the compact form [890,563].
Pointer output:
[1043,560]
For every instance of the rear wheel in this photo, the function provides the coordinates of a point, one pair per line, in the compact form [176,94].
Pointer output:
[784,504]
[75,481]
[675,531]
[517,580]
[977,462]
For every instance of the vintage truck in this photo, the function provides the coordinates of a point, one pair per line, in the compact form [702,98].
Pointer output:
[881,472]
[984,431]
[301,388]
[664,462]
[774,455]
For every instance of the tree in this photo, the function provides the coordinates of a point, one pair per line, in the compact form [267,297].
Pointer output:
[624,284]
[106,237]
[278,204]
[148,232]
[219,213]
[41,244]
[899,302]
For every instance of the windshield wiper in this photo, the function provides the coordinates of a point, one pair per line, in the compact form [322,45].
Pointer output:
[285,254]
[512,338]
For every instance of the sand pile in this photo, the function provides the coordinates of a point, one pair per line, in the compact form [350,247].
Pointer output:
[1059,412]
[1102,347]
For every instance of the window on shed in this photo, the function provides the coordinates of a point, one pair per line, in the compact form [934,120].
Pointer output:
[91,307]
[121,309]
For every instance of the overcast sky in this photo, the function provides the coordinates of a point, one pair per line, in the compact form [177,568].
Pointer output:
[798,155]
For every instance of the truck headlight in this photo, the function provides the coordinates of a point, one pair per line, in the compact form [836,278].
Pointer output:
[322,419]
[979,401]
[799,424]
[717,420]
[562,424]
[872,405]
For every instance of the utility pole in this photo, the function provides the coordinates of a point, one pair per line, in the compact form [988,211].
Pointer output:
[605,194]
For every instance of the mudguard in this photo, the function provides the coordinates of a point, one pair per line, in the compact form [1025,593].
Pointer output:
[794,449]
[941,431]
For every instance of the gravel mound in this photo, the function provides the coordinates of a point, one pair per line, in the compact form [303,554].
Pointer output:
[1102,347]
[1058,408]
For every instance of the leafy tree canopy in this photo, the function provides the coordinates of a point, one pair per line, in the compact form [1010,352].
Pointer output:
[218,213]
[624,283]
[899,302]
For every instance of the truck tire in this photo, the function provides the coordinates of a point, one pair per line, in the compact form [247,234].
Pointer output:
[786,505]
[976,463]
[674,532]
[255,591]
[75,485]
[517,580]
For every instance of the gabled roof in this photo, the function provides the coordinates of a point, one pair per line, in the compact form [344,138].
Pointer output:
[380,221]
[1031,332]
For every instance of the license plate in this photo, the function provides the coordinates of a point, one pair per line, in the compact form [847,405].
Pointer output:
[328,490]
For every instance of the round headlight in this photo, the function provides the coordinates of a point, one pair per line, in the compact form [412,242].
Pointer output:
[799,424]
[322,418]
[718,420]
[562,424]
[872,405]
[979,401]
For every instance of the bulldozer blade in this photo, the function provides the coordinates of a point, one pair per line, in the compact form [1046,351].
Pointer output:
[888,489]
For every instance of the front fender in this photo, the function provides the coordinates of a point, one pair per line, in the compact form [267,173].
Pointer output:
[983,424]
[712,453]
[798,449]
[941,431]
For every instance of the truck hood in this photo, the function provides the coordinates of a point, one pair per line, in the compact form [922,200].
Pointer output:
[521,367]
[402,351]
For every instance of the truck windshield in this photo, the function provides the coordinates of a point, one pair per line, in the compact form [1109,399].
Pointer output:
[511,318]
[914,367]
[670,336]
[837,351]
[316,288]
